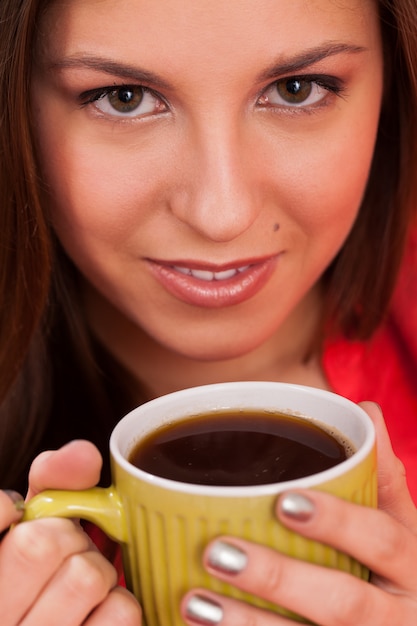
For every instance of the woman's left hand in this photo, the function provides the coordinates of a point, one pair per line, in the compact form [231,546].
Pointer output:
[385,540]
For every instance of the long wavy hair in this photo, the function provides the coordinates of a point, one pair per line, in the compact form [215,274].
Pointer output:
[54,382]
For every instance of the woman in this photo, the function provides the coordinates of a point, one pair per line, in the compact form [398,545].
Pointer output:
[159,234]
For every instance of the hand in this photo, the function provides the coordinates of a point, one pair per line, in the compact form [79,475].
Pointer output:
[50,571]
[385,540]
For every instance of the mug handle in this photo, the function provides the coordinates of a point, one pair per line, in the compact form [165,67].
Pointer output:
[99,505]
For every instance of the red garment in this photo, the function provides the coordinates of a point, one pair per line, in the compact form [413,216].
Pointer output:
[383,370]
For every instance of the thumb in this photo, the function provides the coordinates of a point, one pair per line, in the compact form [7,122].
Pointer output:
[11,508]
[393,494]
[76,465]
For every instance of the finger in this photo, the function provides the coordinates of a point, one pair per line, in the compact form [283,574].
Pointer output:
[76,465]
[393,494]
[29,557]
[82,583]
[203,608]
[371,536]
[11,508]
[120,608]
[323,595]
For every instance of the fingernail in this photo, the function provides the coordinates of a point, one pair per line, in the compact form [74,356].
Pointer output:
[16,498]
[297,507]
[203,611]
[227,558]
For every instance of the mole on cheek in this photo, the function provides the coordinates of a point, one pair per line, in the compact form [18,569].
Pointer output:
[275,227]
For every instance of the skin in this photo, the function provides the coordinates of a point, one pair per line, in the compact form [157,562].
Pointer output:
[258,178]
[385,540]
[216,174]
[51,563]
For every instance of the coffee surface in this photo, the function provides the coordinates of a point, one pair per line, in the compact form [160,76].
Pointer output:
[238,448]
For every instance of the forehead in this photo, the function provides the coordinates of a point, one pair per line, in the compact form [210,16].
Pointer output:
[181,32]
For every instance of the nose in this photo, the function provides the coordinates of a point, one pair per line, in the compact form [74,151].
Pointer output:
[218,196]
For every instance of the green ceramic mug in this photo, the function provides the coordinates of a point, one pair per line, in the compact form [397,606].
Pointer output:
[164,525]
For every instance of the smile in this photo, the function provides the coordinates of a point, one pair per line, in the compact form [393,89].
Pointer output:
[208,276]
[209,287]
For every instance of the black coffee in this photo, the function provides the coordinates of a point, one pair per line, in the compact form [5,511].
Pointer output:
[245,448]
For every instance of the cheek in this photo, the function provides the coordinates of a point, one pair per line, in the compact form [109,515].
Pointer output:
[100,184]
[331,179]
[95,194]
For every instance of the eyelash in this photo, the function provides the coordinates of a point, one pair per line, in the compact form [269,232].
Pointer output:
[335,86]
[331,84]
[94,95]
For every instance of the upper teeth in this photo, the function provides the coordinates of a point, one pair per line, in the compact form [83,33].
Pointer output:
[207,275]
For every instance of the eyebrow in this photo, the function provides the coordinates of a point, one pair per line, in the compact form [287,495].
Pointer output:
[129,72]
[108,66]
[309,57]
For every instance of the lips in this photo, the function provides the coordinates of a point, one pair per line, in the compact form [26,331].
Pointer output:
[213,286]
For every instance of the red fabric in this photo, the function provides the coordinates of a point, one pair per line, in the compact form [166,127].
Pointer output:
[383,370]
[110,549]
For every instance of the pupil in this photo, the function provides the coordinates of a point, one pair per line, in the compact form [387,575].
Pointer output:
[294,87]
[125,95]
[295,90]
[125,99]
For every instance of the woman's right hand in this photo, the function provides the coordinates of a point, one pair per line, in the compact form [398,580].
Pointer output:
[50,571]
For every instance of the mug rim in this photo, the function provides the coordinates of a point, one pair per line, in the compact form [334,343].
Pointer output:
[227,491]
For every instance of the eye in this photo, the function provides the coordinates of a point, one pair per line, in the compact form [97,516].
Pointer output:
[301,92]
[124,101]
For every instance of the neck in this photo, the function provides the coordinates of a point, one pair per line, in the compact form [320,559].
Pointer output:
[290,355]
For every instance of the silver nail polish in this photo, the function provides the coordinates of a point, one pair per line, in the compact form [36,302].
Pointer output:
[204,611]
[297,506]
[227,558]
[16,498]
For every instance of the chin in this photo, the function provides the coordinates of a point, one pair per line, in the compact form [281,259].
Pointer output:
[215,350]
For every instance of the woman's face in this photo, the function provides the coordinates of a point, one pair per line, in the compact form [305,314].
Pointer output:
[206,160]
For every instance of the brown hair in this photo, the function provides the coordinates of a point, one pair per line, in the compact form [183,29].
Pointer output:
[25,265]
[42,335]
[361,279]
